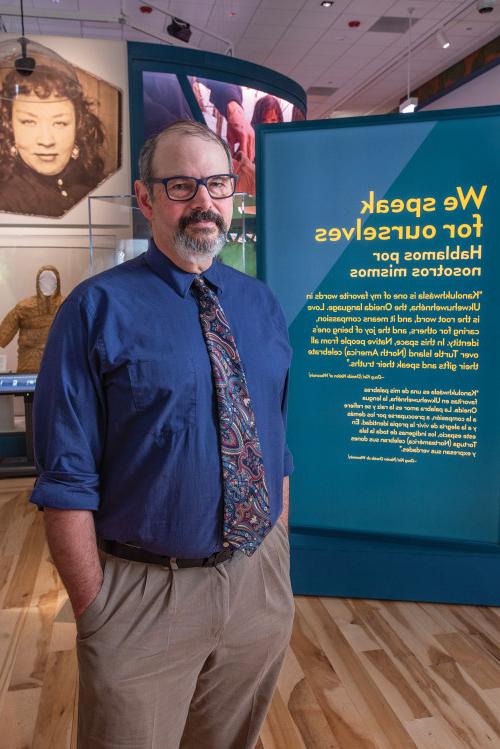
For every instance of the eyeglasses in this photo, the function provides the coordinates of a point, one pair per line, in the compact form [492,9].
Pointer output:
[185,188]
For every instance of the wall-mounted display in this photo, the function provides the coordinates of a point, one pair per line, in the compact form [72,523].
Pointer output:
[229,109]
[231,96]
[59,135]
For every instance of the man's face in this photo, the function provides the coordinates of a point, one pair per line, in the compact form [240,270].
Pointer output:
[191,231]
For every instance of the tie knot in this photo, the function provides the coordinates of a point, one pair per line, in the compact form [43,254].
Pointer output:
[201,288]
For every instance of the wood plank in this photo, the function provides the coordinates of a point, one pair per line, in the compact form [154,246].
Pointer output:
[433,733]
[471,701]
[357,637]
[492,697]
[12,623]
[19,515]
[472,658]
[398,691]
[23,580]
[339,711]
[399,629]
[7,567]
[34,644]
[483,625]
[358,683]
[431,690]
[74,726]
[280,729]
[55,713]
[7,511]
[310,719]
[18,718]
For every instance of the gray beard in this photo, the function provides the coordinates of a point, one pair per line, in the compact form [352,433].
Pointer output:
[191,249]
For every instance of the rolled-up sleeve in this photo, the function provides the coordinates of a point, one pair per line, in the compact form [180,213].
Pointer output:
[69,413]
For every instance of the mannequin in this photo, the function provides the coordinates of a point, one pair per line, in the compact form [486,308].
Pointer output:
[32,317]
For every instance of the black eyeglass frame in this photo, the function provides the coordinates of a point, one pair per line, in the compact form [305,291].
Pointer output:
[199,181]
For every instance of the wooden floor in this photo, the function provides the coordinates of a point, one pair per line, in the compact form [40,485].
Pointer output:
[358,675]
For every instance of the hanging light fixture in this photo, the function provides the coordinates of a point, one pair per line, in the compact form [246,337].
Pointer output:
[411,102]
[21,58]
[443,40]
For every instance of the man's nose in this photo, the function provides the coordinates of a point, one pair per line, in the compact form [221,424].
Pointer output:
[202,198]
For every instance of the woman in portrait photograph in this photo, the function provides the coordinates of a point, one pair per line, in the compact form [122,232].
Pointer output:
[50,143]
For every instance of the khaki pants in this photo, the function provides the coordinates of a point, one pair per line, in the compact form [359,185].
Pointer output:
[186,658]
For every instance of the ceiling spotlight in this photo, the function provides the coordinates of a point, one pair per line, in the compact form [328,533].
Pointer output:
[327,3]
[408,105]
[179,29]
[485,6]
[443,40]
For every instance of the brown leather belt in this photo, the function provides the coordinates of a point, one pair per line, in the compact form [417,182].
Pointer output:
[136,554]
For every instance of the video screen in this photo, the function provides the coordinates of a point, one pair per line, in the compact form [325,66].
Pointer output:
[229,109]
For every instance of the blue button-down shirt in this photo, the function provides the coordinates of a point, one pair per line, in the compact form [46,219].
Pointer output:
[125,416]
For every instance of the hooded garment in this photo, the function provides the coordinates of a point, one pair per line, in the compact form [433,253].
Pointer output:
[32,317]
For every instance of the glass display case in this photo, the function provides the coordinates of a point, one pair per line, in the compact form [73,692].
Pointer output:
[34,261]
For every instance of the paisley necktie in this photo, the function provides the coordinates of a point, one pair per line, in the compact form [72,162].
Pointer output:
[246,499]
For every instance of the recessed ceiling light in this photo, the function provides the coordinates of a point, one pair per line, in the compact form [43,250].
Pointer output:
[327,3]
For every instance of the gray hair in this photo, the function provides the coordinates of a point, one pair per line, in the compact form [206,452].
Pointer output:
[182,127]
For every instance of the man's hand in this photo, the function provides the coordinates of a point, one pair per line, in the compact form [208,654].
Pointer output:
[286,500]
[239,130]
[72,543]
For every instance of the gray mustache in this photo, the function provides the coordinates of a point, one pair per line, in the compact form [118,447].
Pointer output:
[202,216]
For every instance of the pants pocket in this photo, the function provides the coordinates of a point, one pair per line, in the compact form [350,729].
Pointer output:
[89,621]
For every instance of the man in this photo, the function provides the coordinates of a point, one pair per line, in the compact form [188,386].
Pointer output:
[159,427]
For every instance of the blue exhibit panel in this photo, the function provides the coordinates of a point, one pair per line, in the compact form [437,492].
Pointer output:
[381,238]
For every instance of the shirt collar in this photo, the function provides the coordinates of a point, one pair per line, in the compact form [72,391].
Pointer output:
[180,280]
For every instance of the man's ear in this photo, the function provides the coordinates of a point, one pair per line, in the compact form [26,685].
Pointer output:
[143,199]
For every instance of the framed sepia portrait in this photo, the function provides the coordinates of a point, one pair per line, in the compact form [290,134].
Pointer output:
[60,133]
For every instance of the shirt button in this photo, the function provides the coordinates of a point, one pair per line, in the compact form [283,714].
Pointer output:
[63,192]
[59,182]
[226,544]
